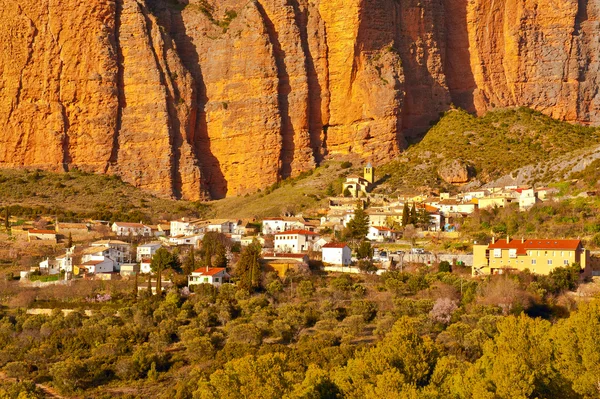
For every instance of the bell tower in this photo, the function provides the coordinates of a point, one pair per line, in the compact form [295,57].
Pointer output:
[369,173]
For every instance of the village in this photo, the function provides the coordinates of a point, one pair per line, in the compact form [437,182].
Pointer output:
[396,231]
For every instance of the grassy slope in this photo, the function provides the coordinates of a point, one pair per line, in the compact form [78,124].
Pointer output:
[494,144]
[301,194]
[81,194]
[304,193]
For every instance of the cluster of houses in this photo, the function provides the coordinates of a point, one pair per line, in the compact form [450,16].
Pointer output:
[288,242]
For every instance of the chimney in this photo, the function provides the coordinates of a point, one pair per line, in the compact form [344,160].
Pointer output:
[522,240]
[493,239]
[207,268]
[507,239]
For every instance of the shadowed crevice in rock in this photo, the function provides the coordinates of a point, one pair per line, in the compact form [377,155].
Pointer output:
[173,123]
[315,117]
[120,87]
[283,90]
[457,60]
[214,181]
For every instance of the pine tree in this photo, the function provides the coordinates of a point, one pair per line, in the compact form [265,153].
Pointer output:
[359,225]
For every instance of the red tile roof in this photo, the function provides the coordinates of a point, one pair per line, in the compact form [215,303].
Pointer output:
[299,232]
[537,244]
[42,232]
[210,272]
[382,228]
[335,245]
[92,262]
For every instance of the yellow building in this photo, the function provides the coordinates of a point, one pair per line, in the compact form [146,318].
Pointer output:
[369,173]
[539,256]
[360,186]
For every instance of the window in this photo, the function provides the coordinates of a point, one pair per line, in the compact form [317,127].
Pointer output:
[206,279]
[533,261]
[550,262]
[497,253]
[512,253]
[566,262]
[216,279]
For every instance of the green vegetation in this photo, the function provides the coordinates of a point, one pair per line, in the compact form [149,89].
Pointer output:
[493,145]
[571,218]
[418,334]
[79,195]
[588,177]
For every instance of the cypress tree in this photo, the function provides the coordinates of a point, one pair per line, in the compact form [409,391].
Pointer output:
[405,214]
[413,215]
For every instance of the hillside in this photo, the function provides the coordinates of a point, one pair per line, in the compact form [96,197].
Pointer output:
[200,99]
[305,194]
[492,146]
[77,194]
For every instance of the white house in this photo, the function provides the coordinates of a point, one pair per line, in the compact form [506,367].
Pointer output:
[123,229]
[381,233]
[49,266]
[147,250]
[527,198]
[61,263]
[278,225]
[224,226]
[336,253]
[185,227]
[295,241]
[97,266]
[208,275]
[115,251]
[145,266]
[187,240]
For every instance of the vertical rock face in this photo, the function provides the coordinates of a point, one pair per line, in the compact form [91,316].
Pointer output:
[204,99]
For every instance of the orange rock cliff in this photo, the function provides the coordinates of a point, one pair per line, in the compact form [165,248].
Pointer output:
[203,99]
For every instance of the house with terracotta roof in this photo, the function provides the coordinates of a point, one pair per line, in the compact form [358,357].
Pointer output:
[540,256]
[208,275]
[124,229]
[336,253]
[381,234]
[295,241]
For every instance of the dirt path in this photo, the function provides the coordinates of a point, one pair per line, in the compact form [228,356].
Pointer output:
[50,392]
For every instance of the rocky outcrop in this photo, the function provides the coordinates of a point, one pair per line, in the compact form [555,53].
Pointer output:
[205,99]
[455,172]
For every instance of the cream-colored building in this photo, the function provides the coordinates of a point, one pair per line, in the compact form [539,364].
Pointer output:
[492,202]
[540,256]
